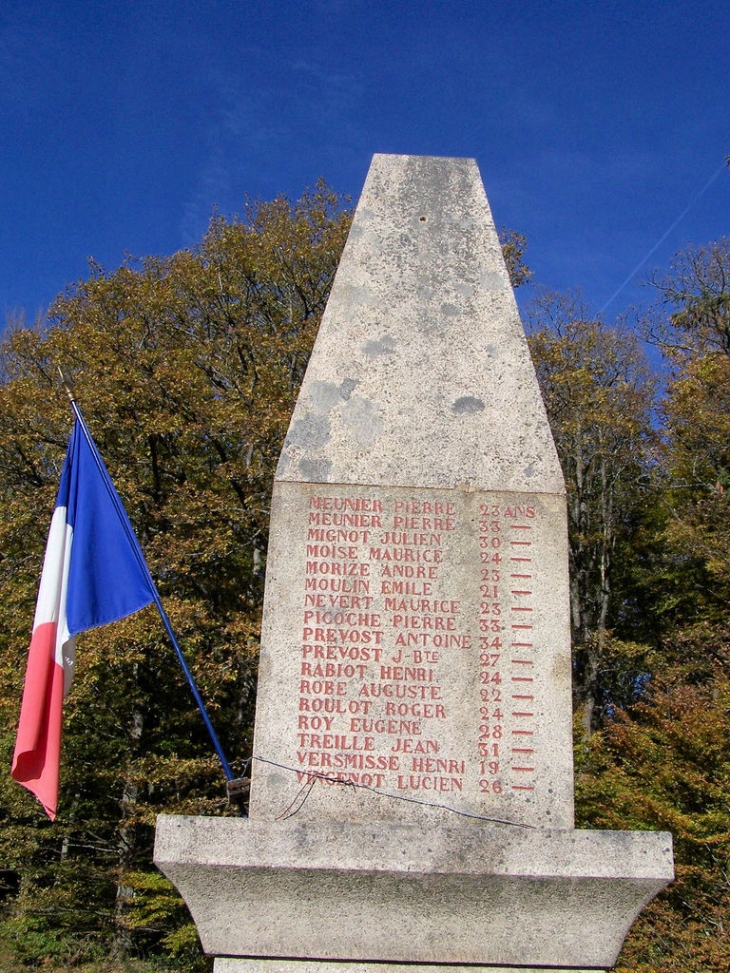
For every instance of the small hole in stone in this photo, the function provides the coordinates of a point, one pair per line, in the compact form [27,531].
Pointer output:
[423,219]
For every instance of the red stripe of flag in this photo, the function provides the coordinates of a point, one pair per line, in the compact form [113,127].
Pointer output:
[49,672]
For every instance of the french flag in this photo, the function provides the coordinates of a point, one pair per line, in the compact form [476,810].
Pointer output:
[94,573]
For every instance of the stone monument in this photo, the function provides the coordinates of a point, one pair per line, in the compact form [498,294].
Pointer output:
[412,780]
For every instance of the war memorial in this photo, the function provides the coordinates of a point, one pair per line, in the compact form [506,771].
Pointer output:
[412,777]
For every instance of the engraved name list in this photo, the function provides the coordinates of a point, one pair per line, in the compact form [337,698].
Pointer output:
[418,661]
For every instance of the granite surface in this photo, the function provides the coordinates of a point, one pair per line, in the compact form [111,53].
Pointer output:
[477,893]
[416,642]
[421,375]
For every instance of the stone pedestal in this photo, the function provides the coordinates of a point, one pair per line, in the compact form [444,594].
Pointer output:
[412,788]
[480,894]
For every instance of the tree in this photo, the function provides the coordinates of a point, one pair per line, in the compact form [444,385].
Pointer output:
[598,392]
[696,293]
[665,764]
[187,369]
[513,246]
[693,333]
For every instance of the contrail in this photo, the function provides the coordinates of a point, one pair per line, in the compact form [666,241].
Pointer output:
[661,240]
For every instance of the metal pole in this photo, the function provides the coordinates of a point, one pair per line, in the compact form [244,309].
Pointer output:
[134,543]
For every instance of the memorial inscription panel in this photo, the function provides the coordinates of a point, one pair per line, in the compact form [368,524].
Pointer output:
[412,656]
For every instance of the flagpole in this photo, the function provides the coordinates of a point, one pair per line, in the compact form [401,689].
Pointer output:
[234,784]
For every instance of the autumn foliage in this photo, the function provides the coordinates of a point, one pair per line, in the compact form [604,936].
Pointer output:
[187,369]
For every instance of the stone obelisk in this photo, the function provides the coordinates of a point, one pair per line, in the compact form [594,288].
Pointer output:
[412,782]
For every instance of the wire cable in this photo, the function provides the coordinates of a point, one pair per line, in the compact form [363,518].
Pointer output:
[298,802]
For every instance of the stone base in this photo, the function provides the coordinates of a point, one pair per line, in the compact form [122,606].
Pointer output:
[228,965]
[478,894]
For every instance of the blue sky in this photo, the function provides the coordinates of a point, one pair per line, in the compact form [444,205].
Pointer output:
[597,126]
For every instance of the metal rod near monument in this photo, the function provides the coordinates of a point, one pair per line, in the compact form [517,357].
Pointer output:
[412,782]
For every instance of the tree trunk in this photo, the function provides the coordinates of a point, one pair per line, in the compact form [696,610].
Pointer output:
[123,942]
